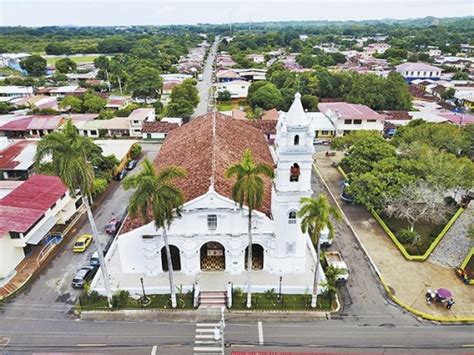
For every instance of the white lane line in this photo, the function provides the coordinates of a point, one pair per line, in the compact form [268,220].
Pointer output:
[260,333]
[90,345]
[153,350]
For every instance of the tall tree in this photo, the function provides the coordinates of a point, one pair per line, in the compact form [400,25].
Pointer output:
[69,152]
[315,214]
[34,65]
[145,83]
[249,190]
[65,65]
[156,194]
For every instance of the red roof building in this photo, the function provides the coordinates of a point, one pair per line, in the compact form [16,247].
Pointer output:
[25,205]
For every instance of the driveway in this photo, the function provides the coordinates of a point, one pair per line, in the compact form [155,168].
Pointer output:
[205,84]
[51,294]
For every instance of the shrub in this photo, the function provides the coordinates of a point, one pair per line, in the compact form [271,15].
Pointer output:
[406,236]
[120,299]
[99,186]
[135,151]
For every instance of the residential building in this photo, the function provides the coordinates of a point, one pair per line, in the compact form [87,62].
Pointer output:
[27,214]
[347,117]
[227,75]
[30,126]
[138,117]
[10,90]
[434,51]
[16,159]
[157,130]
[117,102]
[256,58]
[252,74]
[411,71]
[62,91]
[321,125]
[238,88]
[209,242]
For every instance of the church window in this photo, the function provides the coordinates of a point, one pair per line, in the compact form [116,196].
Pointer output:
[292,217]
[212,221]
[290,247]
[294,172]
[297,140]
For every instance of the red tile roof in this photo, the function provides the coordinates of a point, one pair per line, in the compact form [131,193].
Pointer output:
[25,205]
[33,122]
[17,125]
[8,155]
[158,127]
[192,147]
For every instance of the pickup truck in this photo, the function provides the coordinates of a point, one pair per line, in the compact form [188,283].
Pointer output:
[324,239]
[334,258]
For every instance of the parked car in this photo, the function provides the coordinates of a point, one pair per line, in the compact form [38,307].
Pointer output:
[113,226]
[334,259]
[82,243]
[82,276]
[132,164]
[324,239]
[120,175]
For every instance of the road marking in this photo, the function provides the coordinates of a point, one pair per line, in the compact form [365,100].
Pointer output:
[260,333]
[4,341]
[467,346]
[153,350]
[90,345]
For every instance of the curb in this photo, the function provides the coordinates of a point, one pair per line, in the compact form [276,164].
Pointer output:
[379,275]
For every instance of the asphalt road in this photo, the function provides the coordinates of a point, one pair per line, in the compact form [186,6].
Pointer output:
[39,320]
[51,295]
[205,84]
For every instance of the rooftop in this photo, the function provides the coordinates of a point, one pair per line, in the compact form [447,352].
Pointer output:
[416,67]
[346,110]
[205,148]
[24,206]
[158,127]
[18,155]
[141,113]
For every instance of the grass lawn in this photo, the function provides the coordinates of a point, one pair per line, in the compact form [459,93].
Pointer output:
[224,106]
[9,71]
[77,59]
[264,301]
[185,301]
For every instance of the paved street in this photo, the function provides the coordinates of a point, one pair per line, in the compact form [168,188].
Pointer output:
[51,294]
[206,83]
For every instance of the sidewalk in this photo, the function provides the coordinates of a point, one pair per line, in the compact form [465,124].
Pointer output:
[407,280]
[32,264]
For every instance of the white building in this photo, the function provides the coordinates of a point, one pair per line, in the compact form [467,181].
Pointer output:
[347,117]
[11,90]
[238,88]
[256,58]
[411,71]
[27,214]
[211,234]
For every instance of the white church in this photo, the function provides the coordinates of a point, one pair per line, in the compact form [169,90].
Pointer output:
[209,243]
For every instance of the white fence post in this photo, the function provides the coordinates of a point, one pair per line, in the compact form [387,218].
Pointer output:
[229,294]
[196,295]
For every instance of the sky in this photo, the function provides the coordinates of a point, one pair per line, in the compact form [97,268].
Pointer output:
[165,12]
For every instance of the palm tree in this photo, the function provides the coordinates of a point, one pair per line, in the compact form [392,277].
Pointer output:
[249,190]
[68,151]
[155,194]
[315,214]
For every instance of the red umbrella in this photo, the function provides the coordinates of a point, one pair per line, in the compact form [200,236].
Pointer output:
[444,293]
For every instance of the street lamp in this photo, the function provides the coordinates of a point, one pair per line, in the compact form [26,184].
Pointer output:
[145,299]
[279,288]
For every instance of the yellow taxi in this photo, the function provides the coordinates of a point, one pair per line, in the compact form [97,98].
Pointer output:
[82,243]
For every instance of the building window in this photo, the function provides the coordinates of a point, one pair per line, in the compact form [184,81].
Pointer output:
[15,235]
[212,221]
[347,121]
[371,121]
[292,217]
[290,247]
[296,140]
[294,172]
[324,133]
[357,121]
[93,133]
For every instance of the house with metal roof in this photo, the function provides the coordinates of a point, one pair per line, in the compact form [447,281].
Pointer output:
[27,214]
[16,159]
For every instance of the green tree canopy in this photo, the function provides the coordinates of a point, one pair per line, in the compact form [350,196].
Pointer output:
[65,65]
[34,65]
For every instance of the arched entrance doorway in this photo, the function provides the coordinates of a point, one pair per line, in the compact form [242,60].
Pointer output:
[257,257]
[212,257]
[175,258]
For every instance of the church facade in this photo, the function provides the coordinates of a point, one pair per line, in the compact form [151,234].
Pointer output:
[211,235]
